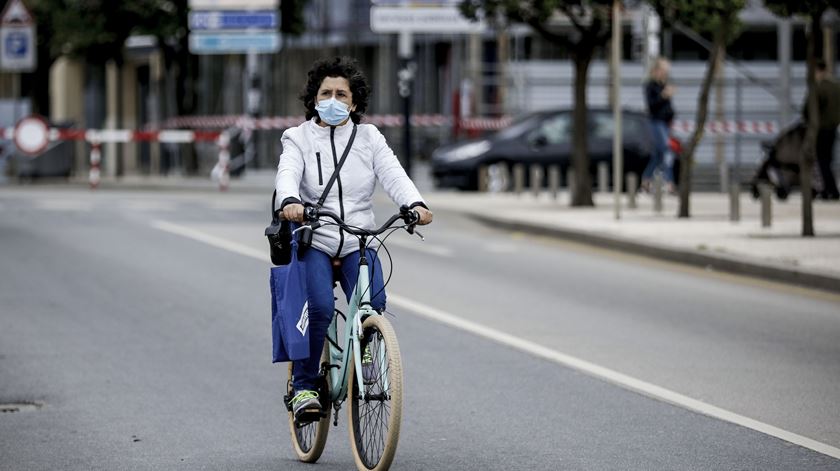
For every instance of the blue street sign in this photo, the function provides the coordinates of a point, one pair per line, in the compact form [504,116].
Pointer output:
[232,20]
[17,44]
[234,43]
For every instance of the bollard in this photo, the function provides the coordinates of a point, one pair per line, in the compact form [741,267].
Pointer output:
[766,194]
[657,193]
[553,180]
[483,178]
[734,202]
[95,159]
[632,187]
[504,177]
[603,177]
[518,178]
[536,179]
[570,180]
[221,171]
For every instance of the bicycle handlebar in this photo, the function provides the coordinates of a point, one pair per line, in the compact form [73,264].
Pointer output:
[312,214]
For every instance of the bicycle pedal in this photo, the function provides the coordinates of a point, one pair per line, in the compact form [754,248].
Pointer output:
[308,416]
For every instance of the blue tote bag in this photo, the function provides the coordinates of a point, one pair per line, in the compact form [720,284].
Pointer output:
[289,311]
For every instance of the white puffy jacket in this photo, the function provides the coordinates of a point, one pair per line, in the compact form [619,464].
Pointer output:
[311,153]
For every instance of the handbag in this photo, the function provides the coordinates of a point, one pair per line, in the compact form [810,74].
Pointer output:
[289,310]
[279,232]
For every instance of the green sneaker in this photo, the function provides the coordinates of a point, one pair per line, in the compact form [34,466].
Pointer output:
[305,402]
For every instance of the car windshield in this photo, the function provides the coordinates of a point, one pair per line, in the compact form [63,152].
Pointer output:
[520,125]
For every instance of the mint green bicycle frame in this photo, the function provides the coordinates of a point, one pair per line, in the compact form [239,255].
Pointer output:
[359,310]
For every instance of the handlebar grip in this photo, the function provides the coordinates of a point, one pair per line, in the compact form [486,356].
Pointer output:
[310,213]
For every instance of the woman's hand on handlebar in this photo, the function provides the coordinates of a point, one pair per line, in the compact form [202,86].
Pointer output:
[424,214]
[293,212]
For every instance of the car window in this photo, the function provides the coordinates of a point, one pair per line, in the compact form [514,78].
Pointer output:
[519,126]
[603,126]
[554,129]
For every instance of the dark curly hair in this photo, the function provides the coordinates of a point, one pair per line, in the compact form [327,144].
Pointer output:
[345,67]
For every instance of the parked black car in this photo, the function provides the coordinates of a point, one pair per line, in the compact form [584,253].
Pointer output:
[544,138]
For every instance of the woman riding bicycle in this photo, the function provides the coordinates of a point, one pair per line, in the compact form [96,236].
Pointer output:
[335,97]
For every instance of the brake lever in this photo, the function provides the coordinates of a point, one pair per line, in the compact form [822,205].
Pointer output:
[418,234]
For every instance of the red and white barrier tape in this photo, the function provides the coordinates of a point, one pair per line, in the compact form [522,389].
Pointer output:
[438,120]
[728,127]
[284,122]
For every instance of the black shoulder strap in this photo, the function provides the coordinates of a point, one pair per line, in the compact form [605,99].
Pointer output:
[337,168]
[274,218]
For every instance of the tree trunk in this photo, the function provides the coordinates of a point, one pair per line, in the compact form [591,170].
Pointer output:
[580,155]
[687,157]
[809,147]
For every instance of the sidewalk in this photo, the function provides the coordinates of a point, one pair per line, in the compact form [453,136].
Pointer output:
[707,239]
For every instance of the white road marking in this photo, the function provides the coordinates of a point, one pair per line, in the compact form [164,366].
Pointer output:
[208,239]
[535,349]
[419,246]
[147,205]
[612,376]
[63,205]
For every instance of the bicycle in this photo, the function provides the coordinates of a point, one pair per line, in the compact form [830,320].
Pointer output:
[375,410]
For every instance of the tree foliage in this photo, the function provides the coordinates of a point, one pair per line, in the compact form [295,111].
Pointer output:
[96,30]
[591,26]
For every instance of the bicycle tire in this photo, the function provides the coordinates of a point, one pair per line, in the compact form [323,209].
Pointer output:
[374,447]
[309,441]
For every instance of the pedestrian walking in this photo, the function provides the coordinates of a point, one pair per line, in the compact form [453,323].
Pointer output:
[658,93]
[828,103]
[335,97]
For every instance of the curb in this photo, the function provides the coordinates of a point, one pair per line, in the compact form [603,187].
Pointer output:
[715,262]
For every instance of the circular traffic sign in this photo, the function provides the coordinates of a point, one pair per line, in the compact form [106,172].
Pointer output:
[32,134]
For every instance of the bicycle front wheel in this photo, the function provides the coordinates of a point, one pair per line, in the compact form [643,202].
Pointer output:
[309,440]
[374,420]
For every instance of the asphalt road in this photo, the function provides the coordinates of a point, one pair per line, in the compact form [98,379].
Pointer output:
[150,349]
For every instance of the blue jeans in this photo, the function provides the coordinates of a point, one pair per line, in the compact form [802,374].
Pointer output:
[319,287]
[659,156]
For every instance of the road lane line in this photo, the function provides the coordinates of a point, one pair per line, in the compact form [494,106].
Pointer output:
[208,239]
[609,375]
[535,349]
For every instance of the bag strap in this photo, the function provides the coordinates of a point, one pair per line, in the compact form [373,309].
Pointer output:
[338,167]
[275,219]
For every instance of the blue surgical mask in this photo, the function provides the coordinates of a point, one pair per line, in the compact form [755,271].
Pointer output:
[332,111]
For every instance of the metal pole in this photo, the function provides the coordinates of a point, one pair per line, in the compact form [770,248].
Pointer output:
[618,145]
[405,78]
[783,91]
[252,104]
[736,178]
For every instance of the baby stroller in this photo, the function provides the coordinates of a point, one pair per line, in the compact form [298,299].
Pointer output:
[780,167]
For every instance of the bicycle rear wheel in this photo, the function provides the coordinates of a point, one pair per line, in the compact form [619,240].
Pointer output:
[374,421]
[309,440]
